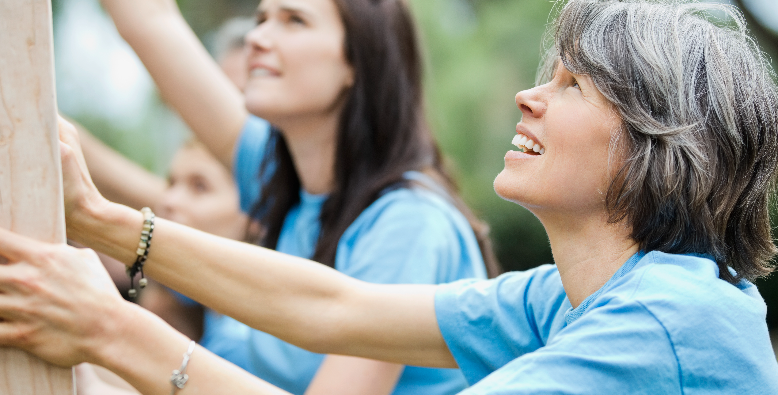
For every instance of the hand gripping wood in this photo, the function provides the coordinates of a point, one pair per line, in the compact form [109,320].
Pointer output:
[30,173]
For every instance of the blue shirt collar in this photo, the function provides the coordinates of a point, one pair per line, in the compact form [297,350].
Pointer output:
[576,313]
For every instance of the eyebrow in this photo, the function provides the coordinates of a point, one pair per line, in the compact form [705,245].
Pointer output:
[287,6]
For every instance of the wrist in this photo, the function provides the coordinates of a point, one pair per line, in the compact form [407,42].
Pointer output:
[109,345]
[106,227]
[140,348]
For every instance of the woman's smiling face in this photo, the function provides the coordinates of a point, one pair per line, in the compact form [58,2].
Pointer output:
[296,60]
[572,127]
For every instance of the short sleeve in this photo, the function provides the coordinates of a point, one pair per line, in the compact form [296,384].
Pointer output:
[487,324]
[408,237]
[249,152]
[619,349]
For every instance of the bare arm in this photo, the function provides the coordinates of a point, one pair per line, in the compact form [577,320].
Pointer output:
[59,303]
[89,382]
[299,301]
[185,319]
[187,77]
[118,178]
[354,376]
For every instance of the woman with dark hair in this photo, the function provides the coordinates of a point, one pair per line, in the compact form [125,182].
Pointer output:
[649,155]
[333,159]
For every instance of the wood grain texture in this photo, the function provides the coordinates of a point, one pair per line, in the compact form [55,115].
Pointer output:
[30,174]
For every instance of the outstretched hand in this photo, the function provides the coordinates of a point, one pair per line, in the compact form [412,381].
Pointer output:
[56,301]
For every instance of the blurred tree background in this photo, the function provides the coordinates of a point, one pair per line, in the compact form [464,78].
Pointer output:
[479,54]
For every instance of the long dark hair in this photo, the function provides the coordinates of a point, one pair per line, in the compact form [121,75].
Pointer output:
[382,133]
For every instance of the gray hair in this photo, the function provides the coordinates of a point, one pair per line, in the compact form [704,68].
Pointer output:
[698,102]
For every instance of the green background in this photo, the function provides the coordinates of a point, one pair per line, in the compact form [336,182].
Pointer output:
[478,55]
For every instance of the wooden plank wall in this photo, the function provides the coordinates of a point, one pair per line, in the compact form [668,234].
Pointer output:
[30,175]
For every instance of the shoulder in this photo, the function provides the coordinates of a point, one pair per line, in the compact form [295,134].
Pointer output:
[670,282]
[536,294]
[249,152]
[253,135]
[415,210]
[250,146]
[487,324]
[716,330]
[682,291]
[510,288]
[413,236]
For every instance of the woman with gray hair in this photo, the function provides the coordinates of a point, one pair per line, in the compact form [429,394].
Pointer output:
[649,155]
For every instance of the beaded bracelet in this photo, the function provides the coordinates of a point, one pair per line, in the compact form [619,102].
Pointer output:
[143,252]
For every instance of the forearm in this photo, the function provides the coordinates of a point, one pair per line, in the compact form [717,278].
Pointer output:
[144,351]
[187,319]
[343,375]
[89,382]
[187,77]
[273,292]
[299,301]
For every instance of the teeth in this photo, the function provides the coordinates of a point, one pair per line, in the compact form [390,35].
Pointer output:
[526,144]
[260,72]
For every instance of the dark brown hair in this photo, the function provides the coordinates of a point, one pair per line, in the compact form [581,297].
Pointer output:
[698,102]
[382,133]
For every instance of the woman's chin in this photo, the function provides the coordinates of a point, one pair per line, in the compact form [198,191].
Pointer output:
[259,110]
[507,187]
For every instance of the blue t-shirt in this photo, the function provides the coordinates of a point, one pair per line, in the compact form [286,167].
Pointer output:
[663,324]
[408,235]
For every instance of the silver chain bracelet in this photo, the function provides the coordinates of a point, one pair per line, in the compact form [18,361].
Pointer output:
[179,378]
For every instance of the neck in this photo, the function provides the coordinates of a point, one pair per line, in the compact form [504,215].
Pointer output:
[588,251]
[311,144]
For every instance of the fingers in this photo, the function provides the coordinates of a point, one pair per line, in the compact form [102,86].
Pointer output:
[15,247]
[14,334]
[67,132]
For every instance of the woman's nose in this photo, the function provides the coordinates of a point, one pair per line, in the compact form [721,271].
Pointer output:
[169,203]
[259,38]
[532,102]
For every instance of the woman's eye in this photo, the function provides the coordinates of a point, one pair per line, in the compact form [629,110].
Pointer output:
[199,186]
[575,85]
[296,20]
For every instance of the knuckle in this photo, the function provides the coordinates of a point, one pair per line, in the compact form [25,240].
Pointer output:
[26,281]
[66,152]
[51,254]
[87,254]
[25,335]
[66,127]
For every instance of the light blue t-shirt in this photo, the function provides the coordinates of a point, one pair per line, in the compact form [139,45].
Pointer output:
[408,235]
[663,324]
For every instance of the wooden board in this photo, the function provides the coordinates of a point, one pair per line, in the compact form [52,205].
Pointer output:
[30,174]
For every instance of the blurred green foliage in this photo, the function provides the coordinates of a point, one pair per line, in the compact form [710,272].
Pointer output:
[479,54]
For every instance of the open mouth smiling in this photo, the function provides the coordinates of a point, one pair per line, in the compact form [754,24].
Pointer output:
[527,145]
